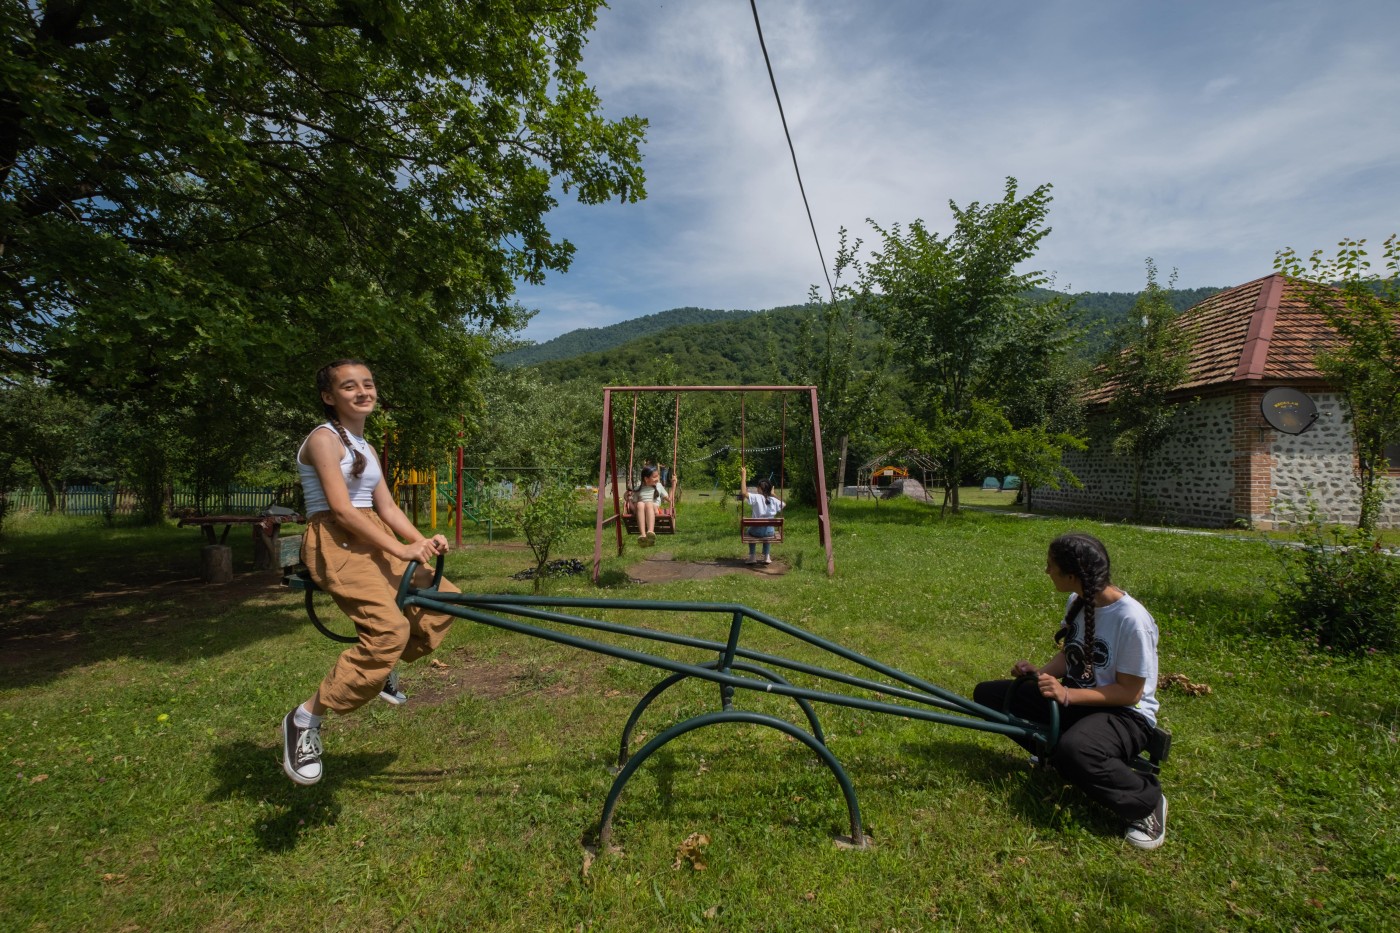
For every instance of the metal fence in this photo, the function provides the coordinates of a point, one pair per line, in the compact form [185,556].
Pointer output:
[116,500]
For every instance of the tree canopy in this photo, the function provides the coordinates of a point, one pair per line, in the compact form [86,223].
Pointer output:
[216,196]
[953,304]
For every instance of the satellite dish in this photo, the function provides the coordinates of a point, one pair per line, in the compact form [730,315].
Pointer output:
[1288,410]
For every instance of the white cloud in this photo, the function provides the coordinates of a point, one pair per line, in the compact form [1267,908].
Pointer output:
[1204,135]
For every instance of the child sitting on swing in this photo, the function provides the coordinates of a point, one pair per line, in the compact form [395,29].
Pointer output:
[651,496]
[763,504]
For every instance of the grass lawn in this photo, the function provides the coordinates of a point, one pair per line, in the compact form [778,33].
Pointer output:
[142,790]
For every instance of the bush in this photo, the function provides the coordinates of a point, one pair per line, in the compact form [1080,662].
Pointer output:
[1341,590]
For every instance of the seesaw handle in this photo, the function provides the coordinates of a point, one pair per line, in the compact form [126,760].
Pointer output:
[407,582]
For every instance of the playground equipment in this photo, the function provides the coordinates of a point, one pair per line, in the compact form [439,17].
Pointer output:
[775,522]
[608,465]
[884,478]
[665,515]
[732,667]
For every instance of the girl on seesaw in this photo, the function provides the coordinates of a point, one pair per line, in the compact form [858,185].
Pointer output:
[762,504]
[651,496]
[1106,691]
[357,546]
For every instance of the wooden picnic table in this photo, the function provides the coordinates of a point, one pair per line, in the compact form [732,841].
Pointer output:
[265,530]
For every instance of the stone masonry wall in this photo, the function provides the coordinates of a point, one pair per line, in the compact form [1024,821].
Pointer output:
[1322,462]
[1226,464]
[1191,482]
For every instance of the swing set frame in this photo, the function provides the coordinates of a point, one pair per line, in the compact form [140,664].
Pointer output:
[608,464]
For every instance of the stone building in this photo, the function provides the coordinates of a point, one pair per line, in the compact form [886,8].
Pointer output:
[1226,465]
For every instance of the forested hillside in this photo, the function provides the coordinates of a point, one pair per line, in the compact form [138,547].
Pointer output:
[596,339]
[736,347]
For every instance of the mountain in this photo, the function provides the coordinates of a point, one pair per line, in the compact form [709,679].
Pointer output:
[598,339]
[729,347]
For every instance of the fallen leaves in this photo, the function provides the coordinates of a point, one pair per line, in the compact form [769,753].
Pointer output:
[689,850]
[1183,683]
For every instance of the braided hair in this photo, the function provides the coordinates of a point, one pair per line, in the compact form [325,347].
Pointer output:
[325,382]
[766,487]
[1084,557]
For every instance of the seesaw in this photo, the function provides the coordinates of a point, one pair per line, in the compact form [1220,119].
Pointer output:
[733,668]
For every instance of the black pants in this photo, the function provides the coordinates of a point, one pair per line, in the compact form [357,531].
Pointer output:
[1096,744]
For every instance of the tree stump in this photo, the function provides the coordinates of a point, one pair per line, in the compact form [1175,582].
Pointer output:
[216,563]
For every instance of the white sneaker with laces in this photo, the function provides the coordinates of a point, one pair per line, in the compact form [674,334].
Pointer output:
[1150,831]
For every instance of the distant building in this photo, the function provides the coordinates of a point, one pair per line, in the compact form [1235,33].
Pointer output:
[1226,465]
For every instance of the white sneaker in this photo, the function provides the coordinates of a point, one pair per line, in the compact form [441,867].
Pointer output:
[391,693]
[301,751]
[1150,831]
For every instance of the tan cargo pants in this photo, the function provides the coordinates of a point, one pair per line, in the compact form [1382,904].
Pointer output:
[364,582]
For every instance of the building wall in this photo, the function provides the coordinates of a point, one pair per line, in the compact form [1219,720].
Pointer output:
[1191,482]
[1227,465]
[1322,461]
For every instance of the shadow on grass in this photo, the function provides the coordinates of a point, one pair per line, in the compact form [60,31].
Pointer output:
[254,772]
[1041,797]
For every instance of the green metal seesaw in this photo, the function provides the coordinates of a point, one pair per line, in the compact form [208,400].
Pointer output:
[733,668]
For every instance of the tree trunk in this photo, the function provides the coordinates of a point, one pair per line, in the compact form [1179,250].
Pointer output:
[955,476]
[1137,487]
[46,481]
[840,483]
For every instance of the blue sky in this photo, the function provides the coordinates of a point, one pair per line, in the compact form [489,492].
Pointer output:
[1206,135]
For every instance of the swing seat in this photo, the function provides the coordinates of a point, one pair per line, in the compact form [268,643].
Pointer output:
[665,517]
[776,523]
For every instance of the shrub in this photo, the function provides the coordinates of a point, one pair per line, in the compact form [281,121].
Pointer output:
[1341,589]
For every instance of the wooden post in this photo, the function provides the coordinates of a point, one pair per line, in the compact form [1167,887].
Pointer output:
[265,554]
[216,563]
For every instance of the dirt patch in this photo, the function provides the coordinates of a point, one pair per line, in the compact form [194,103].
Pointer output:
[662,567]
[458,673]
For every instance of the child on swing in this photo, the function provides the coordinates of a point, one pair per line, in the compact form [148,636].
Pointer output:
[651,497]
[762,504]
[1107,691]
[357,546]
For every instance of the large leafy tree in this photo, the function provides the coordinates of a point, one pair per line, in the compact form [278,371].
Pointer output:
[208,198]
[1364,308]
[951,304]
[1147,360]
[829,356]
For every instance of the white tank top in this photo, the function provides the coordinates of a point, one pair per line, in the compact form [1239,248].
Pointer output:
[361,488]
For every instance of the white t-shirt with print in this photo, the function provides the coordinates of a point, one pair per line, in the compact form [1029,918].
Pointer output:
[1125,640]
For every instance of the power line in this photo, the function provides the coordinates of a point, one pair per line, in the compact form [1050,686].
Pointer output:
[753,5]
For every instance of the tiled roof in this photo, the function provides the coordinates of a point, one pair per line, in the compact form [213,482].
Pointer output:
[1263,330]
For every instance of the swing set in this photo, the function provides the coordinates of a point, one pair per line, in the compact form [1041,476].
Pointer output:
[623,511]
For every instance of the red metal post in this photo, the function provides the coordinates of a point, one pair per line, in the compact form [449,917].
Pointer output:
[459,495]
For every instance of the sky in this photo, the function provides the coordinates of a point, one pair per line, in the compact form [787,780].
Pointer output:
[1204,135]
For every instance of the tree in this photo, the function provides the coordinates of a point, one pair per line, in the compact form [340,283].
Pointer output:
[829,357]
[548,514]
[212,194]
[1364,309]
[43,427]
[951,302]
[1148,359]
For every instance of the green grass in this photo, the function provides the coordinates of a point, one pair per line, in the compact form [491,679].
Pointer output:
[142,789]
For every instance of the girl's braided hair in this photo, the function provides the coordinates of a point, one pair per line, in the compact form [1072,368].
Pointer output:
[325,382]
[1082,556]
[766,488]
